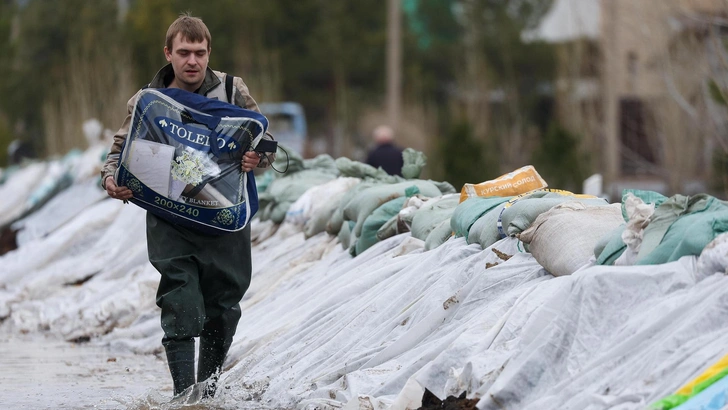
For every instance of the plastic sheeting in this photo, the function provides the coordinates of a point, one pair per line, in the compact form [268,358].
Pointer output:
[323,330]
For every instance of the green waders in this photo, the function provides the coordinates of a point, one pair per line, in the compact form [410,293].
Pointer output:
[203,277]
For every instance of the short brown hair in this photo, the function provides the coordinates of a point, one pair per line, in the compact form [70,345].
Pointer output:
[192,29]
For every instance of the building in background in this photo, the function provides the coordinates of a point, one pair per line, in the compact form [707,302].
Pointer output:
[642,81]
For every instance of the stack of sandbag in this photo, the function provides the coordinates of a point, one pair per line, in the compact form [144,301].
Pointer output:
[364,203]
[431,222]
[679,226]
[373,205]
[283,191]
[413,162]
[476,219]
[637,208]
[562,239]
[313,210]
[486,220]
[360,203]
[428,219]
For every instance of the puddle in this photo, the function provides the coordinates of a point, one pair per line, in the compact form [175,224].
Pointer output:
[43,374]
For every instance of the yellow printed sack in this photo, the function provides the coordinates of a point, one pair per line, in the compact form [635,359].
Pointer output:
[514,183]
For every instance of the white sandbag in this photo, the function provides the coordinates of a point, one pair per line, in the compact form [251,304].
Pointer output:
[714,258]
[325,199]
[562,239]
[638,216]
[324,196]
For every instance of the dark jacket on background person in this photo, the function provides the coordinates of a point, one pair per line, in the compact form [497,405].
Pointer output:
[387,156]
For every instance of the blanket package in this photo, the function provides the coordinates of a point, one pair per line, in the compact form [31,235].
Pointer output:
[182,159]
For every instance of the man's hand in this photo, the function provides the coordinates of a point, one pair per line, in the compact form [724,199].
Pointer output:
[250,161]
[117,192]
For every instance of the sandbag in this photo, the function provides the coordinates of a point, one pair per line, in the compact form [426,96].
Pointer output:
[373,222]
[432,213]
[470,210]
[520,181]
[337,218]
[520,211]
[366,201]
[562,239]
[318,197]
[356,169]
[283,192]
[413,162]
[680,226]
[438,235]
[485,229]
[327,198]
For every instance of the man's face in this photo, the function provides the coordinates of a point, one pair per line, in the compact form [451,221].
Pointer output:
[189,62]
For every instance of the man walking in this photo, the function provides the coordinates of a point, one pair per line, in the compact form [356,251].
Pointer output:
[203,277]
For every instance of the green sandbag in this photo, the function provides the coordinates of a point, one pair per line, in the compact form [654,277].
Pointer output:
[439,235]
[519,216]
[373,222]
[670,211]
[323,163]
[470,210]
[688,236]
[337,218]
[648,197]
[366,201]
[414,161]
[432,213]
[610,247]
[350,168]
[485,230]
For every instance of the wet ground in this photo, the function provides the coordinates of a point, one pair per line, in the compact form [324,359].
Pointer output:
[37,373]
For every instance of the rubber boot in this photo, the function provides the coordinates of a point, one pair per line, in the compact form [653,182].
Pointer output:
[181,362]
[209,365]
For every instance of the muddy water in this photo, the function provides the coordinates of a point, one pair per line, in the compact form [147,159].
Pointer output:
[42,374]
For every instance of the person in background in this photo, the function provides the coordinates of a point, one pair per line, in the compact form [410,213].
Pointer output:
[385,154]
[203,277]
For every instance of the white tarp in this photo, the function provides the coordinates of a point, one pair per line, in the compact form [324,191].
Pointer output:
[323,330]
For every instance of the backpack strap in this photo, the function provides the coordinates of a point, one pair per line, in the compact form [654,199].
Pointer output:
[229,87]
